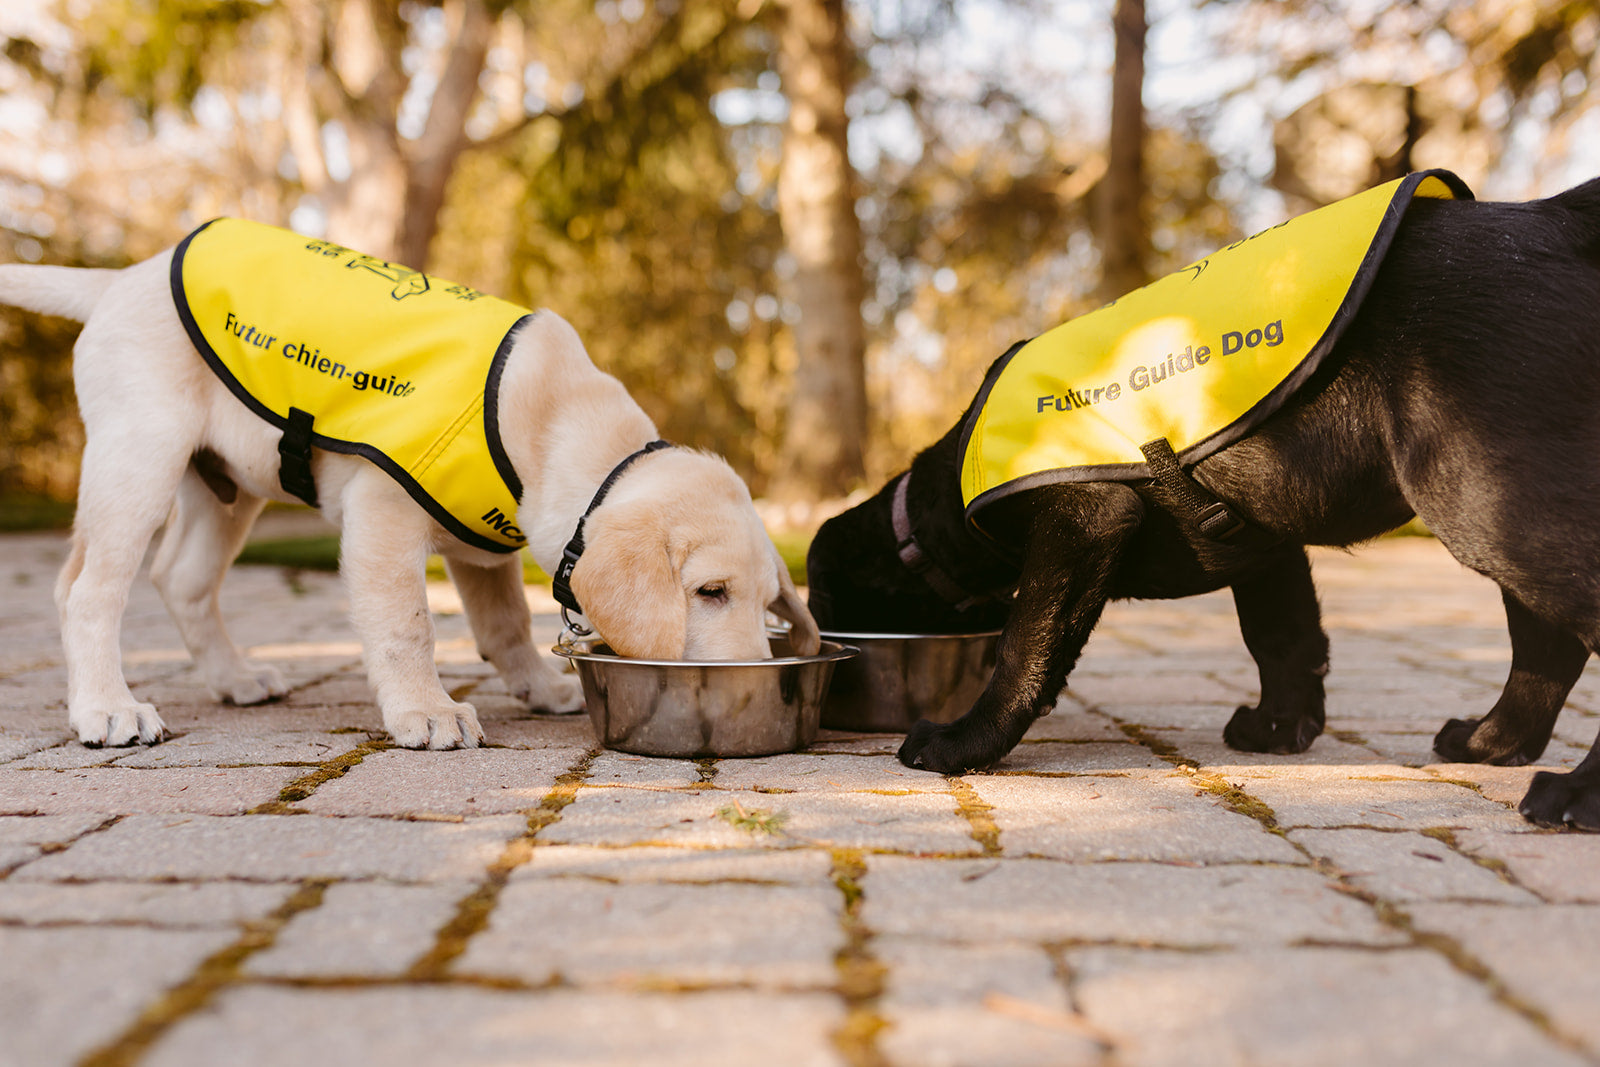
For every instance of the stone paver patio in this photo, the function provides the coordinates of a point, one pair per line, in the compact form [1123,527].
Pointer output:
[277,885]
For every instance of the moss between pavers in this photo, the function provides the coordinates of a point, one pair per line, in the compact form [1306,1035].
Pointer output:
[1163,749]
[1060,774]
[472,914]
[979,815]
[755,821]
[1458,957]
[1472,967]
[1238,800]
[215,973]
[1489,863]
[861,975]
[303,786]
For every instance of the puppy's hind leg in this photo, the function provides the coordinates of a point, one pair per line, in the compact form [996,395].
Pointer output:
[202,538]
[384,554]
[1546,661]
[498,611]
[125,492]
[1282,627]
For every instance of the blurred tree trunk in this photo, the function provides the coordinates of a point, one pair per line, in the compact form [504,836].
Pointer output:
[823,442]
[1399,162]
[352,57]
[433,156]
[1124,231]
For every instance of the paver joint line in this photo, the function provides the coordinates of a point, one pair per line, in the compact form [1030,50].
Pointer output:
[474,910]
[1468,964]
[860,974]
[1156,746]
[978,814]
[213,975]
[306,785]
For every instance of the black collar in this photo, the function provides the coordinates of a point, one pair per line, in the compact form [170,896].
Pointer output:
[918,562]
[561,580]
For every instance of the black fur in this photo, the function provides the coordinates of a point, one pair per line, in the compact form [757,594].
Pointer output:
[1466,391]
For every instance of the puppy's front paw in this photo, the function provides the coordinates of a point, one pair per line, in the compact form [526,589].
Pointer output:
[557,694]
[1554,799]
[1583,810]
[1258,730]
[1250,730]
[1460,741]
[1453,742]
[455,726]
[253,683]
[119,726]
[948,748]
[539,684]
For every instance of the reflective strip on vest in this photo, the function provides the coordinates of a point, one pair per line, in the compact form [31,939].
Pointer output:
[1199,357]
[394,365]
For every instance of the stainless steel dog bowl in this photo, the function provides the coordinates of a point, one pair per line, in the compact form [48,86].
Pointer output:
[711,708]
[900,678]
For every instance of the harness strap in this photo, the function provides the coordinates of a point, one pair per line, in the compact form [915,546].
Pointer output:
[294,457]
[1215,519]
[561,580]
[918,562]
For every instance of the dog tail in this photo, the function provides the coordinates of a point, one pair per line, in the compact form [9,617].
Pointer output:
[1582,202]
[70,292]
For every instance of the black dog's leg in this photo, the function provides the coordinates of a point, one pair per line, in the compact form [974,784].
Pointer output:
[1282,627]
[1545,663]
[1074,546]
[1573,798]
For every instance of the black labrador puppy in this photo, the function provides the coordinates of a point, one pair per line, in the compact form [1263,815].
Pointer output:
[1466,391]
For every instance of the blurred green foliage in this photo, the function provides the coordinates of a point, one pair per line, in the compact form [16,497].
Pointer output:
[301,553]
[23,512]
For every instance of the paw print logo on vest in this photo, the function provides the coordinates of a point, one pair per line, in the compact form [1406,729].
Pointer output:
[407,282]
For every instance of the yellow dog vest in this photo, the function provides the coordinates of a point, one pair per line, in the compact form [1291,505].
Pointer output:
[358,355]
[1198,358]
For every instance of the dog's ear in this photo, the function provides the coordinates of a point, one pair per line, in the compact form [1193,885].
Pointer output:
[627,581]
[803,635]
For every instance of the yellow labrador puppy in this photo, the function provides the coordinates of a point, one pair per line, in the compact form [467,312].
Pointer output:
[208,386]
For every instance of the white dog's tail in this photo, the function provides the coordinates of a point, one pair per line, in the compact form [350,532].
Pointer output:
[71,292]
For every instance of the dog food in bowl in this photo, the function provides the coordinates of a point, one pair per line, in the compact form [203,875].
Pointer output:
[900,678]
[690,710]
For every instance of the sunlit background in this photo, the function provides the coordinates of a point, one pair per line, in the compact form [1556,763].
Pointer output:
[668,174]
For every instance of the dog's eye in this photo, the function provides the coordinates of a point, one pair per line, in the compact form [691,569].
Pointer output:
[713,591]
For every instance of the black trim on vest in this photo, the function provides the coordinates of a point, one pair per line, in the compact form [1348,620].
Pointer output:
[438,511]
[491,410]
[1266,407]
[561,580]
